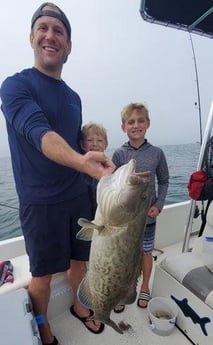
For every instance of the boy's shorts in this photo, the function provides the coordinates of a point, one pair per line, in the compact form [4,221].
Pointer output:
[50,234]
[149,238]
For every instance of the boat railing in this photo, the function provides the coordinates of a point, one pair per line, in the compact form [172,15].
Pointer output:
[189,222]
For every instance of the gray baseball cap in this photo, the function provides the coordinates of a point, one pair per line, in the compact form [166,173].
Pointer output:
[61,16]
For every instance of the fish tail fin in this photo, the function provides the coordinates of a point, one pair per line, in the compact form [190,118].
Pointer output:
[121,327]
[203,322]
[112,324]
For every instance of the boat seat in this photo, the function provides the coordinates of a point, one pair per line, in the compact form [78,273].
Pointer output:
[61,292]
[21,274]
[191,268]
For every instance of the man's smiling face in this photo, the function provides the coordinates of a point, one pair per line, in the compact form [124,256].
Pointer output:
[51,44]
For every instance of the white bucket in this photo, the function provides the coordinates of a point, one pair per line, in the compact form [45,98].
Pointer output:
[162,315]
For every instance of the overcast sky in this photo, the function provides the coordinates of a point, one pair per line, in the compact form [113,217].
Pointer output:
[118,58]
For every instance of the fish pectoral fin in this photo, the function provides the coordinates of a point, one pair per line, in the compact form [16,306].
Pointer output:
[85,234]
[87,229]
[85,223]
[84,294]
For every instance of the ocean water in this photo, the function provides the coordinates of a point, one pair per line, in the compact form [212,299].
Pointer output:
[182,161]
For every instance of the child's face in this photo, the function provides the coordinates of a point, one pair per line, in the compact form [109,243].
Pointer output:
[94,142]
[136,126]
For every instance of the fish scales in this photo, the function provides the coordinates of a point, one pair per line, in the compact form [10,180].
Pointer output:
[123,200]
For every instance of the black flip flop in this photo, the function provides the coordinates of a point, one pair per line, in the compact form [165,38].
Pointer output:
[84,319]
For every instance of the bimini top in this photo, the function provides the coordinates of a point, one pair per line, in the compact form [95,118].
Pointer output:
[195,16]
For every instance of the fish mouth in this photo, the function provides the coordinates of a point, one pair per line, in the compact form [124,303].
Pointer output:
[129,169]
[138,178]
[126,175]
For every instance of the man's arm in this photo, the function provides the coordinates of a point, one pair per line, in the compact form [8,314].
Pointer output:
[95,164]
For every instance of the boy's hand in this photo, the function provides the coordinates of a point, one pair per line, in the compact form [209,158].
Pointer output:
[153,212]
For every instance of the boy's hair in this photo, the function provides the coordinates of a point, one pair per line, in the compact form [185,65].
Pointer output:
[128,109]
[96,129]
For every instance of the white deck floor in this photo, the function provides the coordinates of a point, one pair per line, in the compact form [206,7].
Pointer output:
[70,331]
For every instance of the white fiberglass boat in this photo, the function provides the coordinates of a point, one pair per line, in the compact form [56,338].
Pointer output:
[180,271]
[14,305]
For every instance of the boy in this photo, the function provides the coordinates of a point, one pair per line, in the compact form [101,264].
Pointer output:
[135,122]
[94,138]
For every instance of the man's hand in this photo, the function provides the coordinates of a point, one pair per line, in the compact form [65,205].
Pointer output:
[96,164]
[93,163]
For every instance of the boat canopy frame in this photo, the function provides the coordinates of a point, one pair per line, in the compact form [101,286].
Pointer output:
[194,16]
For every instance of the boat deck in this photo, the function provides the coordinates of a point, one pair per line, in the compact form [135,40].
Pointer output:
[70,331]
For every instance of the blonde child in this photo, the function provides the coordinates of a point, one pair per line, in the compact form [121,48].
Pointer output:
[94,138]
[135,122]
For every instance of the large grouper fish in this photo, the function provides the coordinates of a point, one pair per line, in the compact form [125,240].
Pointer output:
[123,200]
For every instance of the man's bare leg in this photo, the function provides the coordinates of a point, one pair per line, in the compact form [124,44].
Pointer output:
[39,290]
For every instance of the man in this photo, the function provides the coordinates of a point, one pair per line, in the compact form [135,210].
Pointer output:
[43,118]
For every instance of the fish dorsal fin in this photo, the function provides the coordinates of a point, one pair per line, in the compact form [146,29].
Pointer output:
[84,293]
[87,229]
